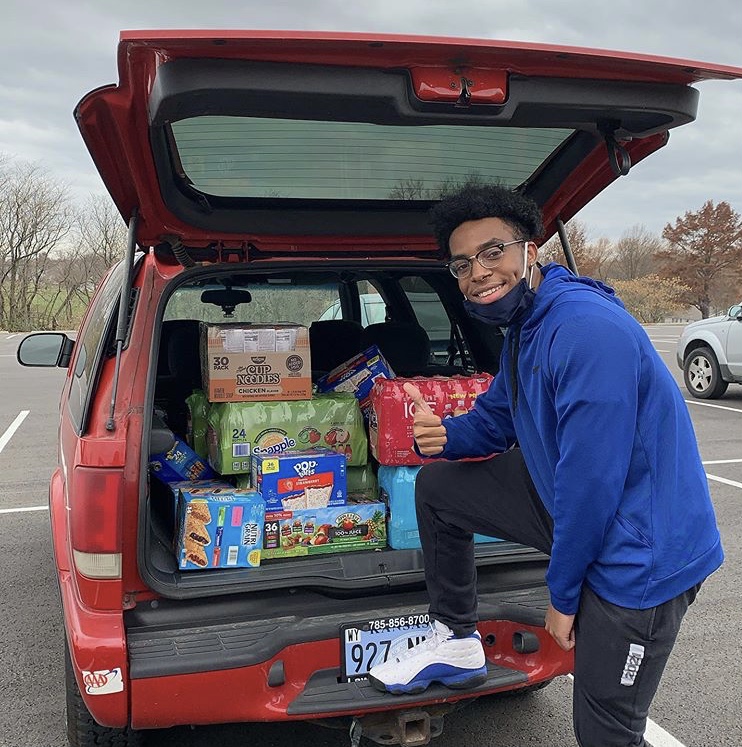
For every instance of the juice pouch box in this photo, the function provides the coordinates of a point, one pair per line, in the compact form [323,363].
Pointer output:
[219,528]
[313,478]
[239,430]
[392,411]
[357,376]
[397,490]
[293,534]
[255,362]
[181,462]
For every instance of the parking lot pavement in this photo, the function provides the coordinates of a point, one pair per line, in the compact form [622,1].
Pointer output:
[696,706]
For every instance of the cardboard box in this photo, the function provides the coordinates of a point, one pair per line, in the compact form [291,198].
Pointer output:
[238,430]
[357,376]
[255,363]
[397,490]
[392,412]
[196,486]
[180,463]
[314,478]
[219,529]
[292,534]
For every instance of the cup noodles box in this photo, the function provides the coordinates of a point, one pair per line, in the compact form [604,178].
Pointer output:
[357,376]
[397,490]
[314,478]
[392,411]
[291,534]
[219,528]
[181,462]
[255,362]
[238,430]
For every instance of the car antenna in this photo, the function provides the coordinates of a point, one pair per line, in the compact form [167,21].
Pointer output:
[123,319]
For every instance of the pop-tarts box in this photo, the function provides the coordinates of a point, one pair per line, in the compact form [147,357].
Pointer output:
[357,375]
[180,463]
[219,528]
[397,490]
[295,480]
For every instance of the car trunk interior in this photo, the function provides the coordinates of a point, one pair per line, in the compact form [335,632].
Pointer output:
[301,293]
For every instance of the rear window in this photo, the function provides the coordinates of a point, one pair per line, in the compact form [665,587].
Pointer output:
[228,156]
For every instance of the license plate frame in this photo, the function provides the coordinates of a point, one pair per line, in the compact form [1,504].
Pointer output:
[366,643]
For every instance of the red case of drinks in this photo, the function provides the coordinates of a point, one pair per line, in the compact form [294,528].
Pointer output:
[392,411]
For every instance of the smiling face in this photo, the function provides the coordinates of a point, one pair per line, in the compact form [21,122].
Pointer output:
[485,285]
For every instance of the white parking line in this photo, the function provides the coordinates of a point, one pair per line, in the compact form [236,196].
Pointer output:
[723,461]
[708,404]
[657,736]
[23,510]
[12,428]
[724,480]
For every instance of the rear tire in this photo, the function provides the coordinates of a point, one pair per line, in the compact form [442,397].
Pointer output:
[702,374]
[82,729]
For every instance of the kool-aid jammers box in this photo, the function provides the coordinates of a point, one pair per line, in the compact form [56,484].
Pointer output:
[392,411]
[219,528]
[314,478]
[358,375]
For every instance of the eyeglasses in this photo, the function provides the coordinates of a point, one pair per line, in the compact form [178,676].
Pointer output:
[487,257]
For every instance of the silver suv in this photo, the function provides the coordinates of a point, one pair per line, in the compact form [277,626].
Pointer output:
[710,353]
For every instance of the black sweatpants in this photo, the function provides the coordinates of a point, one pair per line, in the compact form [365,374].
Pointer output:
[620,653]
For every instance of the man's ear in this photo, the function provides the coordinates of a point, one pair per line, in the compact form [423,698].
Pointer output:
[532,252]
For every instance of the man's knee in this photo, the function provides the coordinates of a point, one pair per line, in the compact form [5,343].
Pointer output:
[431,480]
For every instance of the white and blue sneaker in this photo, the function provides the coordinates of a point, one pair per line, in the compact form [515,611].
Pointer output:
[454,662]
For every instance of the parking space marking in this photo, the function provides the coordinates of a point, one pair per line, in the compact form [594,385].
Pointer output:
[723,461]
[12,428]
[23,510]
[724,480]
[708,404]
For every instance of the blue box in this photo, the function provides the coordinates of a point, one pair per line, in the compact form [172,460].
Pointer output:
[357,375]
[296,480]
[219,528]
[397,490]
[180,463]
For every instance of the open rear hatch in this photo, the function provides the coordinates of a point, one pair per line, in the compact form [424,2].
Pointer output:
[267,149]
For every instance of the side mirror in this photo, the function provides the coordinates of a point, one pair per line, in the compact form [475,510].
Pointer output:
[735,312]
[48,349]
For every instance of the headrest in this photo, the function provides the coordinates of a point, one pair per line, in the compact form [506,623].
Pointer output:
[333,341]
[405,345]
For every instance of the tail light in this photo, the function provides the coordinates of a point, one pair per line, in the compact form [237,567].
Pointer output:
[96,507]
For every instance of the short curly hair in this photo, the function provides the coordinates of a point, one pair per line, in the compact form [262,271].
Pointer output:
[477,201]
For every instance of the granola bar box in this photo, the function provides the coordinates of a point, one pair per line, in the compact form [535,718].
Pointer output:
[255,362]
[181,462]
[219,528]
[313,478]
[392,411]
[294,534]
[237,431]
[357,376]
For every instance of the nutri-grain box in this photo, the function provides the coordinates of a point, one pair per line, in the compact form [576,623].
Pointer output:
[291,534]
[255,362]
[219,528]
[392,411]
[357,376]
[314,478]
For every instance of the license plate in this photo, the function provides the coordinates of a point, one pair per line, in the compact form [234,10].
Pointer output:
[365,644]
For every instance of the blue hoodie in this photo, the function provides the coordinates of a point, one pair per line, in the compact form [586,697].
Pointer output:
[608,441]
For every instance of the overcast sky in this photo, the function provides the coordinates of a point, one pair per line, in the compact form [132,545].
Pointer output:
[54,51]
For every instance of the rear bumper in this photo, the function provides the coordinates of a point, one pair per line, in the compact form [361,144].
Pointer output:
[288,668]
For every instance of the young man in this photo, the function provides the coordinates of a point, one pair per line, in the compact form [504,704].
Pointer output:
[606,479]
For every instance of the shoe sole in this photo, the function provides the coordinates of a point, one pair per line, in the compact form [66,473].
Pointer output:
[457,682]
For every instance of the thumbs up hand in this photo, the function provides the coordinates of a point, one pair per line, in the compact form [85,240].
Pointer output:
[430,435]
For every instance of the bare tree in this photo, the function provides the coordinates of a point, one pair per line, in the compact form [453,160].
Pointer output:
[102,236]
[34,220]
[591,258]
[634,254]
[704,253]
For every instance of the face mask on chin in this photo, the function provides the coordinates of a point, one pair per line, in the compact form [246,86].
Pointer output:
[508,309]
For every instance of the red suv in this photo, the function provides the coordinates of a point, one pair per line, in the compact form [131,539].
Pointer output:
[265,177]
